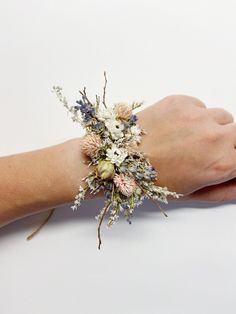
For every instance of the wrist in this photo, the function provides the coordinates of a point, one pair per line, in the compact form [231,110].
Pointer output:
[49,177]
[74,164]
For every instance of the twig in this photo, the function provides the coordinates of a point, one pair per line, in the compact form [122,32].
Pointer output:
[41,225]
[155,202]
[152,199]
[104,90]
[100,223]
[112,192]
[97,188]
[97,101]
[103,215]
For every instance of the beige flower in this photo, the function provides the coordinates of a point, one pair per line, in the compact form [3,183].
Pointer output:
[131,148]
[123,111]
[125,184]
[91,144]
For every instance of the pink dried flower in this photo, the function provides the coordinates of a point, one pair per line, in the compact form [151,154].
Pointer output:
[123,111]
[131,148]
[91,144]
[125,184]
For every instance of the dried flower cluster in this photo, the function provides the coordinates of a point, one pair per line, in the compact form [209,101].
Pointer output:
[119,168]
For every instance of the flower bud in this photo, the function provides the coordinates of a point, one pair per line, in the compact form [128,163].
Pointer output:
[105,169]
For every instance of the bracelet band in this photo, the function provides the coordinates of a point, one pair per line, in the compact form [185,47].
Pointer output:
[118,167]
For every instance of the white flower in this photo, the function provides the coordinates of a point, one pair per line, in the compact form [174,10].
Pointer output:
[116,155]
[135,133]
[135,130]
[104,113]
[115,127]
[108,116]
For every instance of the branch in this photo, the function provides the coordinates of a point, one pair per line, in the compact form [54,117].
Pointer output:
[152,199]
[104,90]
[100,223]
[41,225]
[103,215]
[97,100]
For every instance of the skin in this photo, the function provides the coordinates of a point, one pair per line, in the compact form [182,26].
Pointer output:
[191,146]
[38,180]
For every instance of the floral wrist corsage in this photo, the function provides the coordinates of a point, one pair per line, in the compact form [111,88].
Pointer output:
[118,167]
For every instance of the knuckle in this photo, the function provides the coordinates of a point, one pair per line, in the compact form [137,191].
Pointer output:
[198,102]
[221,115]
[212,136]
[227,114]
[223,169]
[231,116]
[171,99]
[184,99]
[176,103]
[192,116]
[177,99]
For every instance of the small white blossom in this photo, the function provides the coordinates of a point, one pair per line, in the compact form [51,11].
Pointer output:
[136,133]
[116,155]
[104,113]
[135,130]
[115,127]
[107,141]
[78,198]
[76,115]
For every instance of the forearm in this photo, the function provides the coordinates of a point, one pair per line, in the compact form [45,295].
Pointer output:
[34,181]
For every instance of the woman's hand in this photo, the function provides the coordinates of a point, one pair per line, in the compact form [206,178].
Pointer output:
[192,147]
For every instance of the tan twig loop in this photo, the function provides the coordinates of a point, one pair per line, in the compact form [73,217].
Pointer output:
[41,225]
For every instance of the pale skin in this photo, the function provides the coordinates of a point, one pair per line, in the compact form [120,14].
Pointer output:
[191,146]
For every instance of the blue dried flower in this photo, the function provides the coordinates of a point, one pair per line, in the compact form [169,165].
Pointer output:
[139,176]
[107,194]
[152,173]
[109,186]
[86,109]
[98,126]
[125,206]
[133,119]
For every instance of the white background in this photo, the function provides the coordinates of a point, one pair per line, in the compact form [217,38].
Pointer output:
[180,265]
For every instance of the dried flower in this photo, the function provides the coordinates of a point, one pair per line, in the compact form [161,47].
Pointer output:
[115,127]
[104,113]
[79,197]
[116,155]
[105,169]
[86,108]
[123,111]
[125,184]
[120,169]
[91,144]
[131,147]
